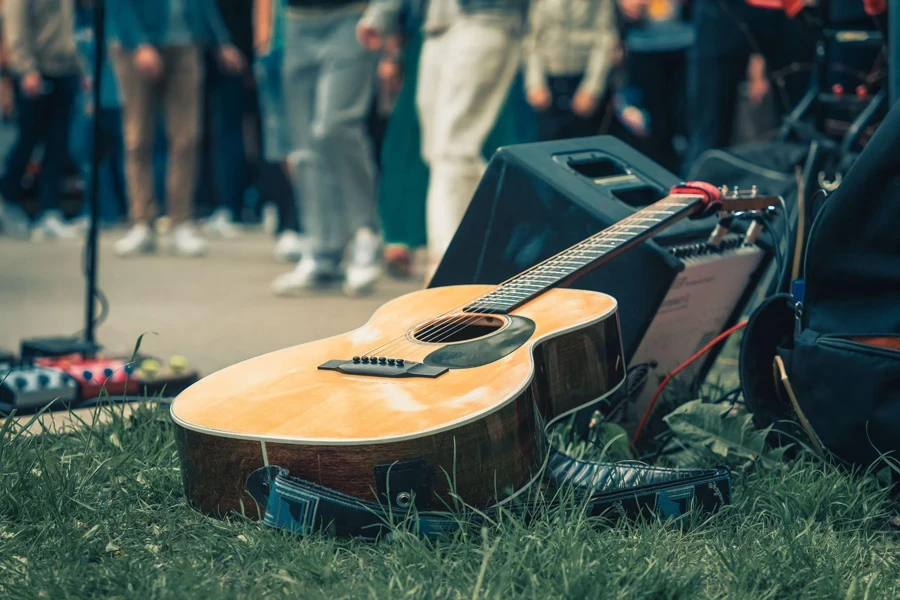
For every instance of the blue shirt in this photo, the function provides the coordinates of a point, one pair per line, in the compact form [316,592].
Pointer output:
[179,33]
[137,22]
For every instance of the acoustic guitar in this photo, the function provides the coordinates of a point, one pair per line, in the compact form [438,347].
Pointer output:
[443,389]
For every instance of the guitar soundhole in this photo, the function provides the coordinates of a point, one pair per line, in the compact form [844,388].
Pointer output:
[458,328]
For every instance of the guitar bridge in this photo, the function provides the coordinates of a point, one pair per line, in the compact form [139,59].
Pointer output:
[386,368]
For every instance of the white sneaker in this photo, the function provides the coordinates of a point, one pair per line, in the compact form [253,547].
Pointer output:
[51,225]
[186,241]
[14,221]
[289,247]
[309,273]
[221,225]
[139,240]
[363,265]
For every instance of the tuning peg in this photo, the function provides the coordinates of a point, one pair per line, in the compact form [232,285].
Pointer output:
[753,191]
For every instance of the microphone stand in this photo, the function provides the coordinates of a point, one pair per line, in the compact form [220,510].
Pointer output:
[96,156]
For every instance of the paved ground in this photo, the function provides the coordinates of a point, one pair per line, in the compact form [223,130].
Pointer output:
[216,310]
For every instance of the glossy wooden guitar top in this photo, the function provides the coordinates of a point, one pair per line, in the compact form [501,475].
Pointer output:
[284,397]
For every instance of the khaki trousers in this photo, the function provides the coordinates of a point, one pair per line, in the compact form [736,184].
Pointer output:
[465,74]
[178,91]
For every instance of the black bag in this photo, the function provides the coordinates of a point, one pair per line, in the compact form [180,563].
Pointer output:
[844,389]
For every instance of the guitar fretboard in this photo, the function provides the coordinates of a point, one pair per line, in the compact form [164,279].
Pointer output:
[576,260]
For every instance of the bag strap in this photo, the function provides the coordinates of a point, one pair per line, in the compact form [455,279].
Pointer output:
[615,490]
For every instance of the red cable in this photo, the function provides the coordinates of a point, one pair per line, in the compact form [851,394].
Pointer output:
[646,416]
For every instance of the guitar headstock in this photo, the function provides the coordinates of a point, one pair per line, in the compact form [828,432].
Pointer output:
[725,200]
[736,200]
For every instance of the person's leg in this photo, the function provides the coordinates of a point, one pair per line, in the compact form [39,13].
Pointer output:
[311,177]
[181,98]
[229,160]
[14,221]
[182,87]
[429,77]
[480,61]
[339,129]
[339,132]
[550,120]
[716,64]
[403,180]
[274,180]
[32,125]
[139,102]
[659,97]
[60,101]
[566,123]
[114,149]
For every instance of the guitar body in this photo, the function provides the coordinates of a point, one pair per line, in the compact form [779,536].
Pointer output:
[479,425]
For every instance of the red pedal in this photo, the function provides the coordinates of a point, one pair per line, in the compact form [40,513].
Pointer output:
[95,375]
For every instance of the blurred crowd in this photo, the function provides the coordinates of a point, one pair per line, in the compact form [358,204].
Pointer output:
[357,131]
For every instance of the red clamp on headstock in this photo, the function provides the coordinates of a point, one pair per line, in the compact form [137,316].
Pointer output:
[712,196]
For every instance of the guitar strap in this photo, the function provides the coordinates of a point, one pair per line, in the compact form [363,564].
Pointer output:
[611,490]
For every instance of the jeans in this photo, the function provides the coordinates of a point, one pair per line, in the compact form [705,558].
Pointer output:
[179,92]
[329,79]
[228,102]
[44,119]
[728,31]
[276,136]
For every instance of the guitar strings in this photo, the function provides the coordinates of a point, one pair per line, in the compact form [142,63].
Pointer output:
[478,302]
[592,243]
[445,330]
[441,331]
[581,251]
[589,243]
[578,251]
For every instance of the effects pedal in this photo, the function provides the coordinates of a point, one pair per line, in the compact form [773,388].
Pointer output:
[35,386]
[155,377]
[95,375]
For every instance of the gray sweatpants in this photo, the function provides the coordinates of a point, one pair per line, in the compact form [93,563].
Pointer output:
[328,83]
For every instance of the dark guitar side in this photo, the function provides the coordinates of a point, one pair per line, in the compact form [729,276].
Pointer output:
[484,460]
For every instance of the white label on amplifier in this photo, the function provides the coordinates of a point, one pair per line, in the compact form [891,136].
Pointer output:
[695,310]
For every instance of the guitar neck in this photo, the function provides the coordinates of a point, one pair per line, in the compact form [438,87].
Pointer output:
[580,259]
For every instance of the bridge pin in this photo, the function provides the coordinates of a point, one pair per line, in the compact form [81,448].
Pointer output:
[400,362]
[365,359]
[356,359]
[391,361]
[382,360]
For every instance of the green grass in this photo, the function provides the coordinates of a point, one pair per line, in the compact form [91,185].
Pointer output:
[100,513]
